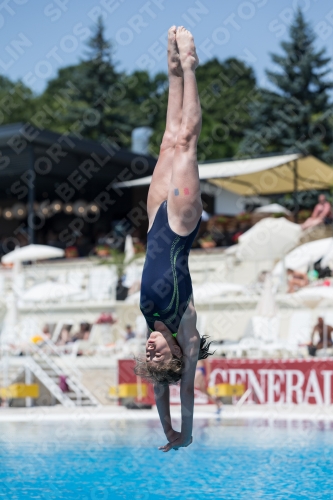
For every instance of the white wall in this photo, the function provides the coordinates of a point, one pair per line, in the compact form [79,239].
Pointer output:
[228,203]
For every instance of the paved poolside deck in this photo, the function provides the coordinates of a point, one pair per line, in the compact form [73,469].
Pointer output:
[261,412]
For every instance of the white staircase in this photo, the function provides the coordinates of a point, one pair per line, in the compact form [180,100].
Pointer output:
[50,380]
[9,374]
[48,372]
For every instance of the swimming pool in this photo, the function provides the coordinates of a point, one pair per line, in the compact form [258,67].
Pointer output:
[113,460]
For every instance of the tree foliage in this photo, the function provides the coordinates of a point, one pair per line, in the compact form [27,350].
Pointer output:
[225,90]
[90,92]
[17,102]
[99,101]
[295,117]
[96,100]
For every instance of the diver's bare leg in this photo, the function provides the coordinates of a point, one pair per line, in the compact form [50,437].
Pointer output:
[159,187]
[184,198]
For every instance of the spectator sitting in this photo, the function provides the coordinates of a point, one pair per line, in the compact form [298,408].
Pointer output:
[46,332]
[64,337]
[40,340]
[86,335]
[296,280]
[83,333]
[322,213]
[320,329]
[130,334]
[106,318]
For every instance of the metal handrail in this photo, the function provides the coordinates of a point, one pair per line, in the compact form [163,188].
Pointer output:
[72,381]
[55,351]
[33,366]
[57,370]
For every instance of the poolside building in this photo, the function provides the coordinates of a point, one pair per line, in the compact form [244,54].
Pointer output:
[58,188]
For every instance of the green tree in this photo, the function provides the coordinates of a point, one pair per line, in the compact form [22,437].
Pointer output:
[295,117]
[87,96]
[17,102]
[101,89]
[225,90]
[108,103]
[143,97]
[62,100]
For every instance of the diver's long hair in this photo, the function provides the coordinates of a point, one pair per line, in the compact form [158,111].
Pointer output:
[204,348]
[171,372]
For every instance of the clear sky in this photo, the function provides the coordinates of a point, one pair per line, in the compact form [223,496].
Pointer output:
[41,36]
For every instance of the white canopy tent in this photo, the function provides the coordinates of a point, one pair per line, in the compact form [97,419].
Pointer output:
[261,176]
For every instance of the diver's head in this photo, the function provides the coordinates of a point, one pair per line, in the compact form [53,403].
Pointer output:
[164,361]
[161,346]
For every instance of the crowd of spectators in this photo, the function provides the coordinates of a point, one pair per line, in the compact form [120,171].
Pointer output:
[215,231]
[66,336]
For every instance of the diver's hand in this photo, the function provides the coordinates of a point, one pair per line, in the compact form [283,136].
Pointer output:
[180,442]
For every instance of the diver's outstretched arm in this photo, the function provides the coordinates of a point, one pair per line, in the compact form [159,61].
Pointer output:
[162,398]
[190,353]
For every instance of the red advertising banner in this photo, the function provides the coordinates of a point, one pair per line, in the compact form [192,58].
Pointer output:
[274,381]
[277,381]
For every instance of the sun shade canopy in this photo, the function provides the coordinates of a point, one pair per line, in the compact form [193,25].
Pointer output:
[262,176]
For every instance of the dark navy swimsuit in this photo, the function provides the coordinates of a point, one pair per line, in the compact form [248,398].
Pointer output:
[166,286]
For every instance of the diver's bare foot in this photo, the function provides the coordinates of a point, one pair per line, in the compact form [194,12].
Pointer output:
[186,47]
[174,66]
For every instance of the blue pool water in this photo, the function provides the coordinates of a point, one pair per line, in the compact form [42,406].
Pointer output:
[113,460]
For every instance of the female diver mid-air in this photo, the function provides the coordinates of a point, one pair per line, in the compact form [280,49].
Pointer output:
[174,211]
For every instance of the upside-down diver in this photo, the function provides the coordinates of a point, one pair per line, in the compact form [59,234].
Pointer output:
[174,206]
